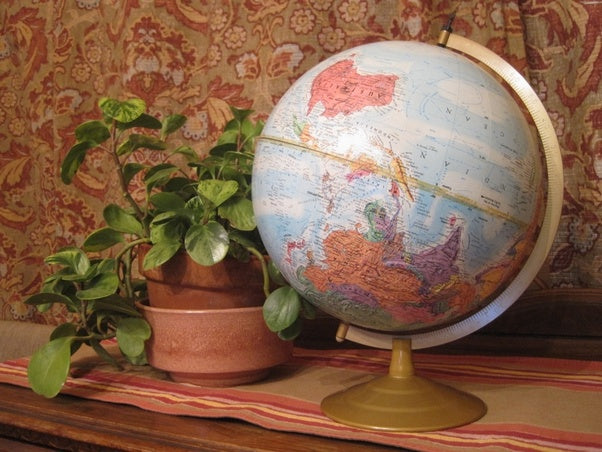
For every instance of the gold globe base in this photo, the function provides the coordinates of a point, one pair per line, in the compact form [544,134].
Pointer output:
[403,401]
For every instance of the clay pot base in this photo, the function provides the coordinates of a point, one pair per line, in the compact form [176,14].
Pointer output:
[213,347]
[222,380]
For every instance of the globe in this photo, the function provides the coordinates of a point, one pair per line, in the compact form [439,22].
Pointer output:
[400,187]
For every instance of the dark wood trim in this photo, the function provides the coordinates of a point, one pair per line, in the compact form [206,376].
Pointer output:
[73,424]
[562,323]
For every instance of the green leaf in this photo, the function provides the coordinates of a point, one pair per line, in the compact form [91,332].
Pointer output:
[44,298]
[308,310]
[164,217]
[125,111]
[171,230]
[244,159]
[130,170]
[139,360]
[167,201]
[221,149]
[207,244]
[196,209]
[131,335]
[239,213]
[92,131]
[291,332]
[281,308]
[229,136]
[101,286]
[137,141]
[73,160]
[240,114]
[122,221]
[71,257]
[244,239]
[189,153]
[158,175]
[49,366]
[181,185]
[275,274]
[104,265]
[172,123]
[160,253]
[105,355]
[117,305]
[64,330]
[144,120]
[43,301]
[95,268]
[101,239]
[217,191]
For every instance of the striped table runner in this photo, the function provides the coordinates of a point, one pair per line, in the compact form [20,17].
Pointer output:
[534,404]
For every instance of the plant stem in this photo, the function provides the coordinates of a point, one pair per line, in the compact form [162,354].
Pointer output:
[264,269]
[122,182]
[123,266]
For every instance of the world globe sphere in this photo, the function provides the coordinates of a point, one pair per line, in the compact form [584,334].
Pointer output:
[399,187]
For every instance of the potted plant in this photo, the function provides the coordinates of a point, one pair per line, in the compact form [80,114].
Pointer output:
[193,208]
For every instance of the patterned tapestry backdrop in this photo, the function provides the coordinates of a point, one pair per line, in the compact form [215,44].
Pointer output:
[57,57]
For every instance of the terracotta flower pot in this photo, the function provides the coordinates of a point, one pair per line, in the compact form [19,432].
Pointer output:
[207,322]
[181,283]
[213,347]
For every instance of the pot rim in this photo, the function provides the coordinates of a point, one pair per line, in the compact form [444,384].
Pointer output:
[143,305]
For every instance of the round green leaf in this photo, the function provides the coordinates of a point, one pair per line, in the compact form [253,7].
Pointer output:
[102,239]
[239,213]
[131,169]
[120,220]
[64,330]
[281,308]
[49,366]
[160,253]
[189,153]
[71,257]
[217,191]
[171,231]
[136,141]
[143,121]
[116,304]
[159,175]
[207,244]
[308,310]
[101,286]
[290,333]
[275,274]
[131,335]
[165,200]
[43,298]
[172,123]
[93,131]
[73,160]
[125,111]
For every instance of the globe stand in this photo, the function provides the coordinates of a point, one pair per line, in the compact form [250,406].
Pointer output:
[403,401]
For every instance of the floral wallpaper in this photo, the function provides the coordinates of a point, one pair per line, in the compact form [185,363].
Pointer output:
[57,57]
